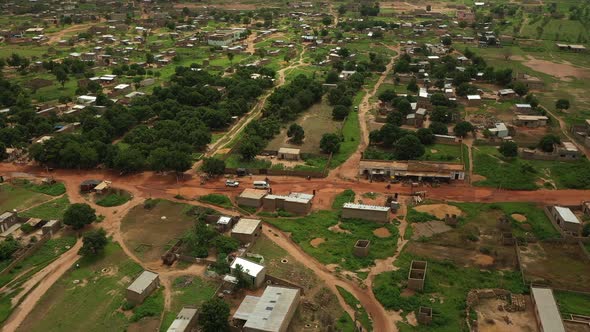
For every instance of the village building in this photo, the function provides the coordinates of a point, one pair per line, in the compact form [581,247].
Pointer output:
[366,212]
[531,82]
[473,100]
[185,321]
[251,197]
[296,203]
[247,230]
[89,185]
[413,169]
[531,121]
[566,219]
[289,154]
[571,47]
[51,227]
[546,310]
[142,287]
[7,220]
[254,273]
[506,94]
[499,130]
[524,109]
[271,312]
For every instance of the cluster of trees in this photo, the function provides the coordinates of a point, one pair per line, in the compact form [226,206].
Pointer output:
[405,144]
[368,10]
[184,114]
[8,247]
[201,238]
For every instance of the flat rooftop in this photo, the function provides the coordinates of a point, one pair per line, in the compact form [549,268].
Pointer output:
[183,319]
[253,193]
[250,268]
[145,279]
[567,215]
[365,207]
[268,312]
[246,226]
[548,312]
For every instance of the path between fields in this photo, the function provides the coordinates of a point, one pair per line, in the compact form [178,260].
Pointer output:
[349,169]
[34,288]
[54,38]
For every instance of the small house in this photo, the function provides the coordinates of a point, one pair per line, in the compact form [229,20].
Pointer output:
[271,312]
[366,212]
[7,220]
[566,219]
[251,197]
[51,227]
[499,130]
[88,185]
[289,154]
[473,100]
[297,203]
[524,109]
[255,273]
[186,320]
[247,230]
[546,310]
[531,121]
[506,94]
[142,287]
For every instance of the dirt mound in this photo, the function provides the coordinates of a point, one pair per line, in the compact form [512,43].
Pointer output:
[336,229]
[562,71]
[317,241]
[518,217]
[439,210]
[483,260]
[429,228]
[382,232]
[477,177]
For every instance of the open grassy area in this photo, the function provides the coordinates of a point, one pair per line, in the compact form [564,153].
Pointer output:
[445,290]
[573,303]
[217,199]
[15,197]
[55,189]
[351,133]
[236,161]
[356,304]
[113,199]
[187,291]
[54,209]
[92,304]
[338,245]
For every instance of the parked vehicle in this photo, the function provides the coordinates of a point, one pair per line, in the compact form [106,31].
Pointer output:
[231,183]
[261,185]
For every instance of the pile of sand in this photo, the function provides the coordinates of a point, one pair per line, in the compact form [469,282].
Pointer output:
[382,232]
[317,241]
[518,217]
[439,210]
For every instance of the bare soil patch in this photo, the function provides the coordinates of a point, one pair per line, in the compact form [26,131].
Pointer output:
[518,217]
[317,241]
[406,292]
[477,177]
[438,210]
[490,319]
[145,324]
[411,317]
[336,228]
[382,232]
[483,260]
[562,71]
[429,228]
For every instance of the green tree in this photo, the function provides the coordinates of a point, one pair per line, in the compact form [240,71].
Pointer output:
[79,215]
[562,104]
[241,277]
[61,76]
[408,147]
[93,242]
[413,86]
[426,136]
[214,315]
[225,244]
[296,133]
[330,143]
[546,143]
[327,20]
[520,88]
[230,57]
[8,247]
[439,128]
[129,160]
[339,112]
[463,128]
[387,95]
[248,148]
[332,77]
[508,149]
[447,41]
[213,166]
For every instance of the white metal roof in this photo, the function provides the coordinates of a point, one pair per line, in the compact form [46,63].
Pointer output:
[567,215]
[569,146]
[547,310]
[183,319]
[250,268]
[524,105]
[145,279]
[365,207]
[474,97]
[272,309]
[223,220]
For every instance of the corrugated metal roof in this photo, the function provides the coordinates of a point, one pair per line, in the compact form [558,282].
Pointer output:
[547,309]
[567,215]
[365,207]
[145,279]
[250,268]
[246,226]
[272,309]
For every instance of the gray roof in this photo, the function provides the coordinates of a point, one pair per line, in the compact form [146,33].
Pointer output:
[184,317]
[145,279]
[549,316]
[246,226]
[567,215]
[6,215]
[271,309]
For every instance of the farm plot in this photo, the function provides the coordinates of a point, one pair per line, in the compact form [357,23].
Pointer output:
[14,197]
[87,298]
[315,122]
[150,231]
[562,266]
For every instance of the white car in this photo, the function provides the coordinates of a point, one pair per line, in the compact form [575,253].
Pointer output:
[231,183]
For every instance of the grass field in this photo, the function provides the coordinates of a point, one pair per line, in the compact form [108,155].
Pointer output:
[187,291]
[445,291]
[217,199]
[54,209]
[15,197]
[573,303]
[316,121]
[351,133]
[148,234]
[337,246]
[55,189]
[235,161]
[90,305]
[113,199]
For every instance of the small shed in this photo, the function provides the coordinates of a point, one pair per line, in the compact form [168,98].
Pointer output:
[366,212]
[256,273]
[473,100]
[51,227]
[88,185]
[566,219]
[142,287]
[289,154]
[247,230]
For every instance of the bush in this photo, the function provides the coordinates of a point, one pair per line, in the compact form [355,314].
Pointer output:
[150,203]
[113,200]
[216,199]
